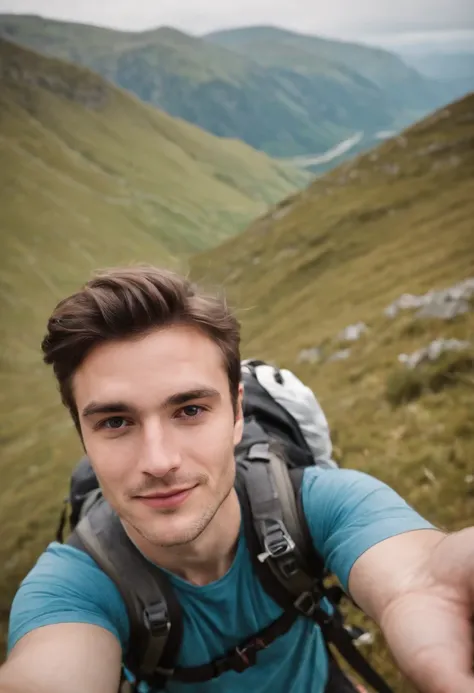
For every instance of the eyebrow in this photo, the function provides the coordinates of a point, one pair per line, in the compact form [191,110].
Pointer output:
[188,395]
[173,400]
[105,408]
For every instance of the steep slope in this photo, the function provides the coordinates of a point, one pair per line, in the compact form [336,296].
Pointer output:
[298,102]
[363,212]
[89,177]
[187,187]
[398,220]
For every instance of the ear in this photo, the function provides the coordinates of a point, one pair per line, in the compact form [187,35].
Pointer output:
[239,416]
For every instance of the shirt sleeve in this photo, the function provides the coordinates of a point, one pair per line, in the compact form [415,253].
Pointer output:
[67,586]
[348,512]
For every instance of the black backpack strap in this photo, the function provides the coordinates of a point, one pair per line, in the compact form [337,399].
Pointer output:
[241,657]
[272,510]
[273,521]
[154,612]
[313,558]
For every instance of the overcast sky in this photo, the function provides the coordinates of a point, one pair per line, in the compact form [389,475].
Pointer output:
[408,20]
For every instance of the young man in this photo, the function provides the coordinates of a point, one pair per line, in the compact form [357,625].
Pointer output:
[149,369]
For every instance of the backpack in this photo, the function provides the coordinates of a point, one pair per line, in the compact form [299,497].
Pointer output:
[285,431]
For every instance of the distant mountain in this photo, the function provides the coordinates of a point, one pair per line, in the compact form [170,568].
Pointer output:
[280,92]
[404,90]
[453,69]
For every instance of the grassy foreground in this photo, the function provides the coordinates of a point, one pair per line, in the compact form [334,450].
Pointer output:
[399,219]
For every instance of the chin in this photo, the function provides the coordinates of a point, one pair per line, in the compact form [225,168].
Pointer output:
[169,538]
[174,530]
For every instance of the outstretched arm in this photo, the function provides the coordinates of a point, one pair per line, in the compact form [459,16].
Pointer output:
[415,581]
[63,658]
[419,588]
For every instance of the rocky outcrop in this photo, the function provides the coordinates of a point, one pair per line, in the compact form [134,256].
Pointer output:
[433,351]
[445,304]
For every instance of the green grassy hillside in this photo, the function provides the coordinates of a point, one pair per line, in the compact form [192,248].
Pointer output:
[283,93]
[187,188]
[396,220]
[89,177]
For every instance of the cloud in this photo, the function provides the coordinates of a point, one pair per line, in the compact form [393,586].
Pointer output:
[336,17]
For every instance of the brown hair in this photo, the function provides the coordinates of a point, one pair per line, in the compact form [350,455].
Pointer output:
[121,303]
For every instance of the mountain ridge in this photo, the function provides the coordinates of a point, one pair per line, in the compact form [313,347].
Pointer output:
[302,105]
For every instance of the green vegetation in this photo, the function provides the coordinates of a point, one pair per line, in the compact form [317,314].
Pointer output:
[398,219]
[85,140]
[90,177]
[405,385]
[280,92]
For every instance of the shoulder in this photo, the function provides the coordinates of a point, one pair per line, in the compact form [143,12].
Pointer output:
[343,486]
[349,511]
[66,586]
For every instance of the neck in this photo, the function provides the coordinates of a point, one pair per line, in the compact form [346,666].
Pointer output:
[209,556]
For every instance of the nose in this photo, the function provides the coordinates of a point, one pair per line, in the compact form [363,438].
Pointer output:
[159,453]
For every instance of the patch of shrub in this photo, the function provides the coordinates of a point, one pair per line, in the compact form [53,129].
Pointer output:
[404,385]
[465,429]
[415,328]
[450,369]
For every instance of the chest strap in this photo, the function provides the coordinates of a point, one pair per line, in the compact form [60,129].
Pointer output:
[241,657]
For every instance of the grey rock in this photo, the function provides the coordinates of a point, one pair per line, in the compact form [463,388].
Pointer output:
[340,355]
[432,352]
[435,303]
[444,310]
[352,333]
[311,355]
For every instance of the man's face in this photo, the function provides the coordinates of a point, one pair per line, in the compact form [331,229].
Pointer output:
[158,425]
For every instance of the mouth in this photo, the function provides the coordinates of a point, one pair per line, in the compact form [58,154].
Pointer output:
[170,499]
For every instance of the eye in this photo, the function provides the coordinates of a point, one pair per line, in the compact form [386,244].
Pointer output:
[113,423]
[190,411]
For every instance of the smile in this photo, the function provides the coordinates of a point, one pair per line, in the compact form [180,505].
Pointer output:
[171,499]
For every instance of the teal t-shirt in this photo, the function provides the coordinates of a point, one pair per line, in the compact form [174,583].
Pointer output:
[347,513]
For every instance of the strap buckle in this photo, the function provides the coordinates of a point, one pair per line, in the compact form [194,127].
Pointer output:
[276,541]
[308,604]
[247,655]
[156,619]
